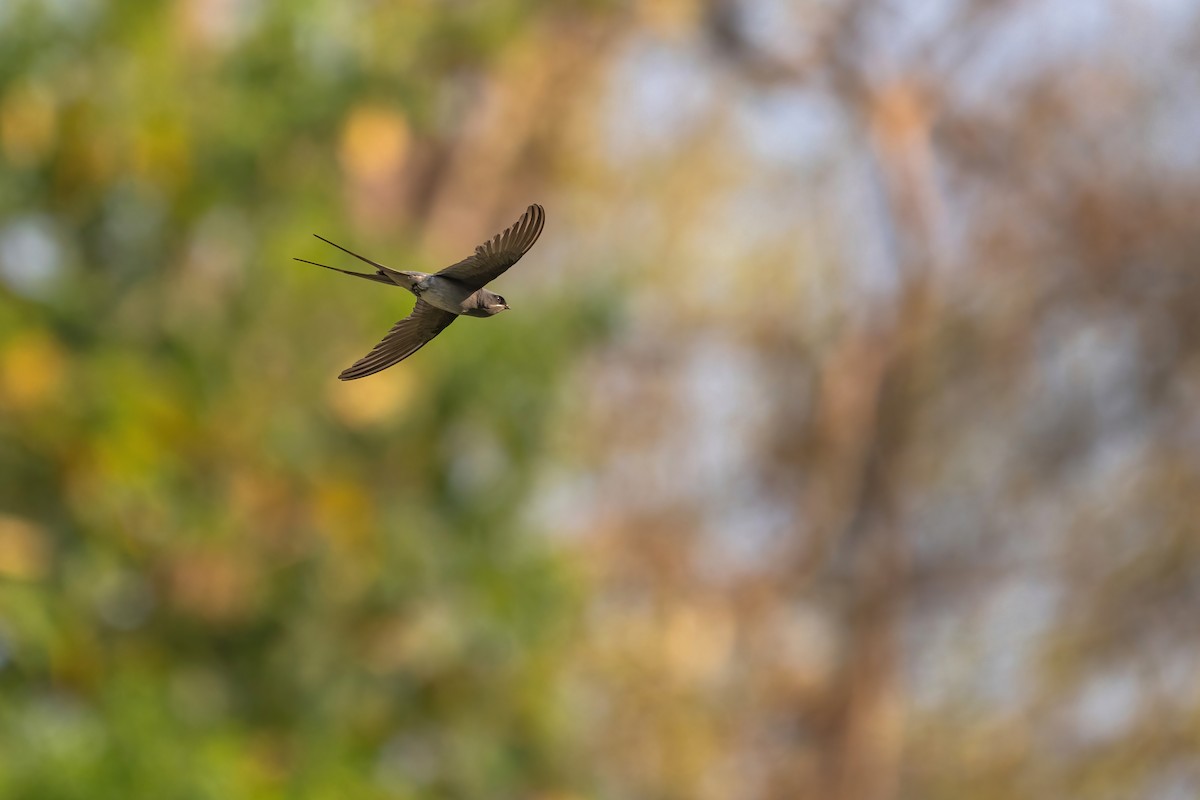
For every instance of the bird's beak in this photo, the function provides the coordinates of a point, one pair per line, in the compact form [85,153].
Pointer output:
[506,307]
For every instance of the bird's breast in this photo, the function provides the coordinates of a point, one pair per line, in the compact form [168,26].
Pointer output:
[443,294]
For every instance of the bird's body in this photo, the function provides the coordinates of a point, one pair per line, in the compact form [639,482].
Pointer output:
[443,296]
[457,298]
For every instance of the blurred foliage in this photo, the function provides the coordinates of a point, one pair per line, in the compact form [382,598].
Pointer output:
[222,573]
[841,443]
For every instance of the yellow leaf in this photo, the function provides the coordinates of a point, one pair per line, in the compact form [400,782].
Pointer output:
[28,122]
[32,369]
[374,143]
[24,549]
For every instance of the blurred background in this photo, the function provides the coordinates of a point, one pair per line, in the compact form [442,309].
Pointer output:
[843,441]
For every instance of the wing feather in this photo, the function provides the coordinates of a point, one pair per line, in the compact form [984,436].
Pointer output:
[497,254]
[405,338]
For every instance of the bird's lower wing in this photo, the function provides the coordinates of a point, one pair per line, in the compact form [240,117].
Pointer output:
[405,338]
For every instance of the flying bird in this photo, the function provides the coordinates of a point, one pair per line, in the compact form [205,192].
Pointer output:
[444,296]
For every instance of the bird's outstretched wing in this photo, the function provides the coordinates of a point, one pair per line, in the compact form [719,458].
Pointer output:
[405,338]
[497,254]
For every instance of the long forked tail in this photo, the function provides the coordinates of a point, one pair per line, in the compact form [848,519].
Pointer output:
[378,277]
[383,274]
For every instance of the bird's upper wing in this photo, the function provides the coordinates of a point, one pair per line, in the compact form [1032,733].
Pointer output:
[497,254]
[405,338]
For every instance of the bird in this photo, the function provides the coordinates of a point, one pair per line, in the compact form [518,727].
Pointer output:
[444,296]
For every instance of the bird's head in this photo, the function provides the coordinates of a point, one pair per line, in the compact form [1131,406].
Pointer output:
[495,304]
